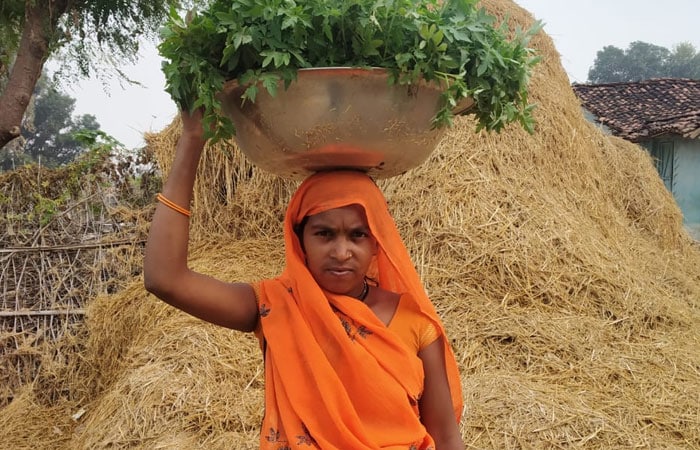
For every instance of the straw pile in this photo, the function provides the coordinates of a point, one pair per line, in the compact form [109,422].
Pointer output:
[558,262]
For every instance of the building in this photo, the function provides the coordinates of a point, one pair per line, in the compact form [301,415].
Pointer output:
[663,116]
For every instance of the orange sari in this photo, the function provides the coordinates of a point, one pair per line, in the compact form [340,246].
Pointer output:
[336,377]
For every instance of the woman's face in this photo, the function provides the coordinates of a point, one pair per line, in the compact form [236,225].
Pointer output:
[339,248]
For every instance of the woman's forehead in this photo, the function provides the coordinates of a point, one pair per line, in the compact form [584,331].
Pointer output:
[354,214]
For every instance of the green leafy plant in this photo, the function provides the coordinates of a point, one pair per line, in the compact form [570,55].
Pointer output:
[263,42]
[46,208]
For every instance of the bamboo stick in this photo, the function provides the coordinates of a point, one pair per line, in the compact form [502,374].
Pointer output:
[70,246]
[49,312]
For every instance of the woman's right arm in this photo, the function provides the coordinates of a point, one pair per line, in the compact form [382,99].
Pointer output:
[166,273]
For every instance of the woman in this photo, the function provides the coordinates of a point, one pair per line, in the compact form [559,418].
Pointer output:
[355,355]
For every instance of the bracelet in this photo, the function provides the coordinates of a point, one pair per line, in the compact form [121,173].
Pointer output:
[175,207]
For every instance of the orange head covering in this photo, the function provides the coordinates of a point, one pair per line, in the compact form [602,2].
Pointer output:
[335,376]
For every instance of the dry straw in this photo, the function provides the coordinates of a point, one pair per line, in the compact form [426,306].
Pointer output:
[558,262]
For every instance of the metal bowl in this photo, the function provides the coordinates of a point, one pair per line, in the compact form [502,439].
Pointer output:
[337,118]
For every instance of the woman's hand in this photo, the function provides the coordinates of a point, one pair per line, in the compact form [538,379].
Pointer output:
[192,128]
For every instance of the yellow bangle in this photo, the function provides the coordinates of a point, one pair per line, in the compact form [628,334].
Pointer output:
[161,198]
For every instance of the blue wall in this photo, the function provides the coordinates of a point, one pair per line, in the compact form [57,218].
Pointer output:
[684,179]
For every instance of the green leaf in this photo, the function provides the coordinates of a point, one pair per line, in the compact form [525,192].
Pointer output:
[269,56]
[270,83]
[250,93]
[438,36]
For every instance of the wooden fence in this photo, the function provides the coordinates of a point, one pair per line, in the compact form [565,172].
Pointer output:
[61,245]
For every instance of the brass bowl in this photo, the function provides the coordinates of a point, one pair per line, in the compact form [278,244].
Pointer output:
[337,118]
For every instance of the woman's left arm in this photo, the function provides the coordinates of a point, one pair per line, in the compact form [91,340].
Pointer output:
[436,410]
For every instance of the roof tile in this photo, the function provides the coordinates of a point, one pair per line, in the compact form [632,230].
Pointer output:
[641,110]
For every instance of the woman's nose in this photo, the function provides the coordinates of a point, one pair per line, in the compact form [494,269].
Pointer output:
[342,250]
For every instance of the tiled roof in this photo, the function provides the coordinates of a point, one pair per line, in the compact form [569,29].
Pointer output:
[640,110]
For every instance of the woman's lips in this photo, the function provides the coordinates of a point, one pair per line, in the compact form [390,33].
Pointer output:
[340,271]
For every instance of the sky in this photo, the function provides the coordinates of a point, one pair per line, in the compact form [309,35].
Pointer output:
[579,30]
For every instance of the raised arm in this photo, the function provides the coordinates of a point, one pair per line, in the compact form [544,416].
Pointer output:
[166,273]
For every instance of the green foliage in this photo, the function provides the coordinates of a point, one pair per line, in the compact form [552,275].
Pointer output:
[97,141]
[50,132]
[76,197]
[131,172]
[262,42]
[11,16]
[45,209]
[100,147]
[642,61]
[89,36]
[684,62]
[38,198]
[99,33]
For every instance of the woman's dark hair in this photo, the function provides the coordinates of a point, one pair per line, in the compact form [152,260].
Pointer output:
[299,230]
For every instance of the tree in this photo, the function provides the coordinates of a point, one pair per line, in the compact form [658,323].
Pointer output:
[684,62]
[88,33]
[608,67]
[48,130]
[646,61]
[641,61]
[50,138]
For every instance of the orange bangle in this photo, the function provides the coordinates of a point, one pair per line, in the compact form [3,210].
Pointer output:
[161,198]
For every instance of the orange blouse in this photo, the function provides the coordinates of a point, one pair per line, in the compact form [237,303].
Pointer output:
[413,328]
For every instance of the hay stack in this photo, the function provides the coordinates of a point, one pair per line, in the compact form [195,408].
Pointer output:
[558,262]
